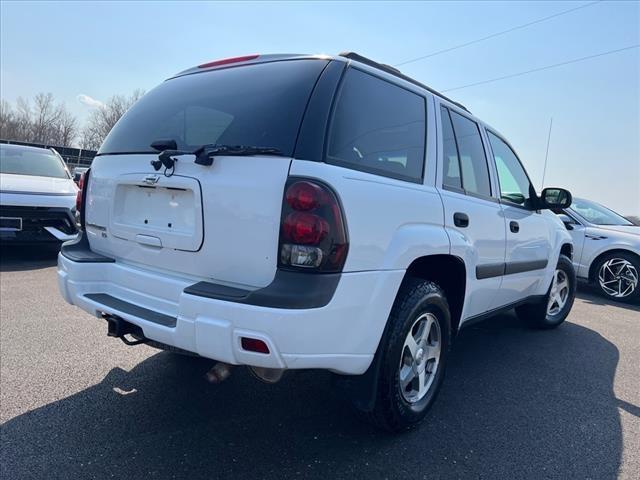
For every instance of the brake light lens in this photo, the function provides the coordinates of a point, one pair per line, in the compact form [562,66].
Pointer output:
[227,61]
[79,194]
[312,233]
[305,228]
[304,196]
[81,198]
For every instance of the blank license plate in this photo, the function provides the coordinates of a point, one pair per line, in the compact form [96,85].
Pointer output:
[162,210]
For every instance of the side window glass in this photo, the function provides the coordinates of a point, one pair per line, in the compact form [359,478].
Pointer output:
[378,127]
[451,164]
[514,183]
[473,162]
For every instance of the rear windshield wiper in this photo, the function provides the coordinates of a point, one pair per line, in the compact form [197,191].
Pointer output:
[237,150]
[205,153]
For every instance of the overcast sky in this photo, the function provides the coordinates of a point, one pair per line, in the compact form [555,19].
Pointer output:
[85,52]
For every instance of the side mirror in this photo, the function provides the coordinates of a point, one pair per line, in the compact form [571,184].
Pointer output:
[567,220]
[552,198]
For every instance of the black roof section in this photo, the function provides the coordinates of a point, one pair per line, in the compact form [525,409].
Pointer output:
[397,73]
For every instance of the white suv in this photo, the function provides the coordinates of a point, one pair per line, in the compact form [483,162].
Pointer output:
[294,212]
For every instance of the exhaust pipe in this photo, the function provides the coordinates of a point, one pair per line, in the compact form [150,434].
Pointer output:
[221,371]
[218,373]
[267,375]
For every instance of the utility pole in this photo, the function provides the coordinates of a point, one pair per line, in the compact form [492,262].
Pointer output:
[546,155]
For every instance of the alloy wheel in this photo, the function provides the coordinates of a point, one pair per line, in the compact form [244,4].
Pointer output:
[618,277]
[420,358]
[559,293]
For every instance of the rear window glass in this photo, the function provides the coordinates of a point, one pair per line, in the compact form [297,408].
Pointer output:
[258,105]
[451,165]
[473,162]
[378,127]
[30,161]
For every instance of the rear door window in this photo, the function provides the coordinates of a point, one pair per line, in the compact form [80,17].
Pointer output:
[378,127]
[258,105]
[451,160]
[473,168]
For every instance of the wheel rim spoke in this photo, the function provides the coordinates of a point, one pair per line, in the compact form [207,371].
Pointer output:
[553,301]
[433,352]
[406,376]
[422,384]
[426,331]
[412,346]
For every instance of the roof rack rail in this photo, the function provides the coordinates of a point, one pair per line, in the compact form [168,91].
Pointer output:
[397,73]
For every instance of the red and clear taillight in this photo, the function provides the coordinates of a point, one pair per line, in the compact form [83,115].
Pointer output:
[79,194]
[312,229]
[81,198]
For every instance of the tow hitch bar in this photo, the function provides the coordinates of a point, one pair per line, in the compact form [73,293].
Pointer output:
[117,327]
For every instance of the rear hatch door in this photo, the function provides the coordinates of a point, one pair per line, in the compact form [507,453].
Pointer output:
[218,222]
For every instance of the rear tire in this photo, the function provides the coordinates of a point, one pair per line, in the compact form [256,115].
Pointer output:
[414,351]
[554,308]
[616,277]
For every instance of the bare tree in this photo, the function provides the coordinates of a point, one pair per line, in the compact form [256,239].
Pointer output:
[67,128]
[46,122]
[104,118]
[7,120]
[23,120]
[45,119]
[15,124]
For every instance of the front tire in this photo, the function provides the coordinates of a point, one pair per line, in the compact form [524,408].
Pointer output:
[554,308]
[414,351]
[616,276]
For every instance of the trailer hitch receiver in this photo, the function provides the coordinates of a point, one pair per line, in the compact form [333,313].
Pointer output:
[119,328]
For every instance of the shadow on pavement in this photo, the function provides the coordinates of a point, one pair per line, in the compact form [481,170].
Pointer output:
[516,403]
[592,297]
[14,258]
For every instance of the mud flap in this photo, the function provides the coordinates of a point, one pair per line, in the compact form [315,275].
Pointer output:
[361,389]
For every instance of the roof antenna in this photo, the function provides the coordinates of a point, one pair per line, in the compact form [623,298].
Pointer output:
[546,155]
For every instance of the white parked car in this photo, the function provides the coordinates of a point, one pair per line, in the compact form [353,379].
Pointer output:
[295,212]
[606,249]
[37,196]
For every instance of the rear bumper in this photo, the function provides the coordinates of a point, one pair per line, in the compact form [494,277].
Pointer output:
[341,336]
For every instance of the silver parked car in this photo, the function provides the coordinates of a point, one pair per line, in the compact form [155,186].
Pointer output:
[607,249]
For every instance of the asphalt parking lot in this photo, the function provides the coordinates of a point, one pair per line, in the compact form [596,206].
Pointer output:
[516,403]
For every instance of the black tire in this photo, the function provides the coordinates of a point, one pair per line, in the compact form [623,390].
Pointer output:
[537,314]
[416,298]
[632,271]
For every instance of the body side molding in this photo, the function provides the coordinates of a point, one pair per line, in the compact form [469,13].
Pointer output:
[491,270]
